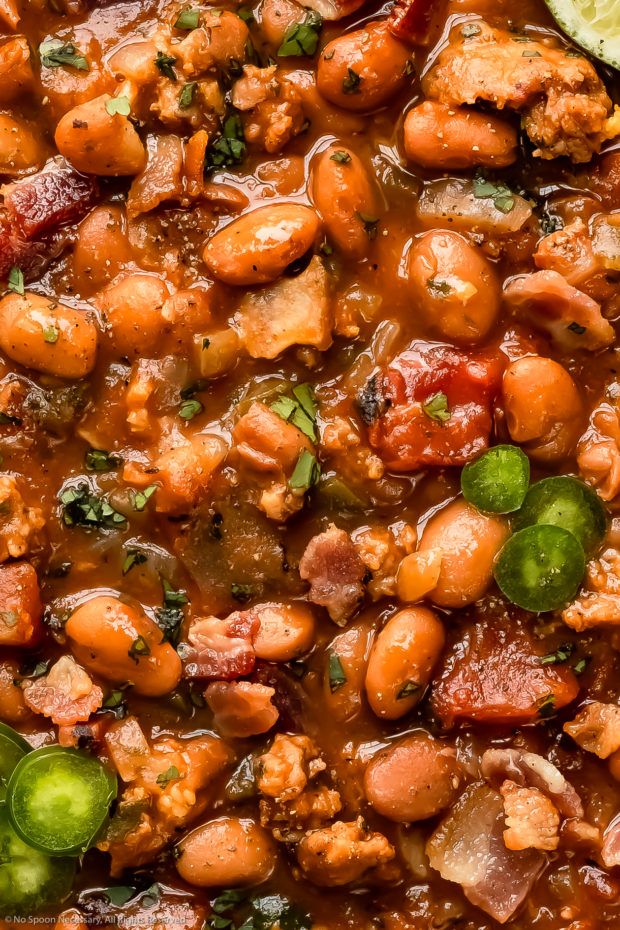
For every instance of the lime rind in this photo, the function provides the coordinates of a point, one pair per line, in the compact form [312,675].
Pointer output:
[592,24]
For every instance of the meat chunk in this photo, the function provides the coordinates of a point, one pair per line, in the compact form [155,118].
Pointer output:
[161,178]
[573,320]
[610,850]
[67,694]
[431,406]
[532,821]
[342,853]
[53,197]
[529,770]
[20,616]
[494,675]
[565,107]
[596,728]
[273,107]
[311,810]
[598,451]
[382,549]
[241,708]
[568,251]
[218,648]
[288,765]
[336,573]
[598,604]
[293,311]
[19,523]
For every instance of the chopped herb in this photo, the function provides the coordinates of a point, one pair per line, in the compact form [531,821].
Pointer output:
[561,654]
[34,670]
[546,707]
[306,473]
[438,287]
[190,408]
[221,906]
[188,19]
[470,29]
[242,783]
[16,280]
[371,224]
[304,393]
[186,97]
[120,105]
[81,507]
[351,84]
[576,328]
[165,64]
[57,54]
[326,248]
[343,158]
[275,910]
[550,223]
[50,334]
[134,557]
[300,410]
[241,592]
[100,460]
[164,778]
[246,14]
[206,342]
[502,197]
[115,702]
[436,407]
[581,665]
[139,648]
[337,676]
[141,498]
[170,615]
[302,38]
[408,689]
[6,419]
[230,148]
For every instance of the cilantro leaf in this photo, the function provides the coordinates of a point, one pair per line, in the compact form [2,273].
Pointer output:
[120,105]
[82,507]
[302,38]
[16,281]
[436,407]
[306,473]
[165,65]
[337,676]
[100,460]
[57,54]
[188,19]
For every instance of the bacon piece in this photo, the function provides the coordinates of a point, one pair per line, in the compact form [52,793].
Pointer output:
[596,729]
[66,694]
[610,852]
[468,848]
[21,609]
[532,821]
[161,179]
[220,648]
[53,197]
[241,708]
[494,675]
[407,432]
[410,20]
[336,572]
[529,770]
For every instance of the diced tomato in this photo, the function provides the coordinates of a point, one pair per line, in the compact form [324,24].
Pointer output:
[494,675]
[410,20]
[434,406]
[220,648]
[20,605]
[51,198]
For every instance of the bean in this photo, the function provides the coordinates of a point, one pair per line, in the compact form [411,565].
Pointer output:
[20,150]
[12,706]
[543,409]
[469,542]
[226,852]
[122,644]
[343,194]
[97,143]
[132,308]
[441,136]
[49,337]
[362,69]
[414,778]
[102,245]
[346,659]
[257,247]
[454,287]
[285,632]
[402,661]
[275,18]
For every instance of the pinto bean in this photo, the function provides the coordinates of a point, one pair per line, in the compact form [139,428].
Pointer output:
[469,542]
[414,778]
[345,670]
[361,70]
[543,409]
[343,194]
[454,286]
[102,245]
[441,136]
[97,143]
[20,150]
[285,631]
[132,307]
[49,337]
[226,852]
[402,661]
[12,706]
[122,644]
[257,247]
[275,18]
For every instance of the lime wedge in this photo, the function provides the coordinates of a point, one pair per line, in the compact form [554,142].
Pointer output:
[593,24]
